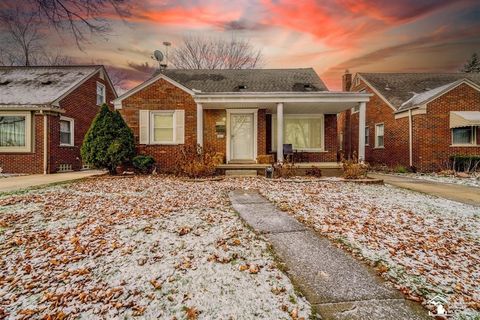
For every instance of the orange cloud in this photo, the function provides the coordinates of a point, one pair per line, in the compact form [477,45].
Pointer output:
[196,16]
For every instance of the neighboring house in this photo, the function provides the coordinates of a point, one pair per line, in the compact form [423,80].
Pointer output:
[45,113]
[240,113]
[415,119]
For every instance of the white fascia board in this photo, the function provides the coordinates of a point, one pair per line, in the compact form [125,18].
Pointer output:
[275,97]
[118,102]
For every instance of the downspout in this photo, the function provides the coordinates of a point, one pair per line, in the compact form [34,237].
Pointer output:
[410,137]
[45,142]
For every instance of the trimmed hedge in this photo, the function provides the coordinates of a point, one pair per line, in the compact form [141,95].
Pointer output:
[465,162]
[143,164]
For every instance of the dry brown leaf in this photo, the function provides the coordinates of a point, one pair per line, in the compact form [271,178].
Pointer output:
[191,313]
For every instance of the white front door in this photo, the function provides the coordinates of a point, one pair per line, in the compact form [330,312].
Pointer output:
[242,135]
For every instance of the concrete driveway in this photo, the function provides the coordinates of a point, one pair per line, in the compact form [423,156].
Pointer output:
[16,183]
[455,192]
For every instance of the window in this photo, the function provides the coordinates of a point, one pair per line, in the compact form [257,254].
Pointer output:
[100,93]
[15,132]
[304,132]
[66,131]
[464,136]
[379,132]
[162,127]
[367,136]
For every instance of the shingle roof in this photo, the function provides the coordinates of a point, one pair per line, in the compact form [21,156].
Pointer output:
[254,80]
[398,88]
[39,85]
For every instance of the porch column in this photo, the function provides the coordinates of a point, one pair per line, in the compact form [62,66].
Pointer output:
[280,132]
[200,124]
[361,132]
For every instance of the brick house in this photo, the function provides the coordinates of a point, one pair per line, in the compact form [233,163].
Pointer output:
[242,114]
[45,113]
[414,119]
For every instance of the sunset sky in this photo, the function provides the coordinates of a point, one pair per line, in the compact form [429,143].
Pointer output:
[329,35]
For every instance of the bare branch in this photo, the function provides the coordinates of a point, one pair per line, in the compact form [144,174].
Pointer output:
[76,17]
[208,53]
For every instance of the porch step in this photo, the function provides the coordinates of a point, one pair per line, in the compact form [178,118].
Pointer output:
[241,173]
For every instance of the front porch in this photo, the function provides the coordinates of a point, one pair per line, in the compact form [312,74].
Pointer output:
[248,126]
[329,169]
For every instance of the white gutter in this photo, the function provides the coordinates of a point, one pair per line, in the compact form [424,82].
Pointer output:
[45,142]
[275,97]
[410,137]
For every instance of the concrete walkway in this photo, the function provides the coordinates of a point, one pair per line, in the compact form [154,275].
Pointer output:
[35,180]
[455,192]
[337,285]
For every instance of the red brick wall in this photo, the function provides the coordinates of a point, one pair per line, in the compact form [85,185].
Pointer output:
[31,162]
[161,95]
[431,132]
[395,151]
[210,139]
[80,105]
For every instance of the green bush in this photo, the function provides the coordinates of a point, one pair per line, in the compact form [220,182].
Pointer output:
[143,164]
[401,169]
[108,142]
[465,163]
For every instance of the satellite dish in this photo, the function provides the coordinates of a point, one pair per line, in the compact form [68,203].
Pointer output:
[158,55]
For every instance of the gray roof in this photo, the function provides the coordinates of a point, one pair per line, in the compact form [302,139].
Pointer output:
[39,85]
[398,88]
[254,80]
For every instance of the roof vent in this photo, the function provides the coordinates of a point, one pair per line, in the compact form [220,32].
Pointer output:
[387,87]
[308,87]
[242,87]
[4,82]
[46,82]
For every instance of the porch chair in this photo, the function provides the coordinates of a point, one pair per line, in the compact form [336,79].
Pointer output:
[288,152]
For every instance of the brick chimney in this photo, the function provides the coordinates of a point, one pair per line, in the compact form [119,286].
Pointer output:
[346,81]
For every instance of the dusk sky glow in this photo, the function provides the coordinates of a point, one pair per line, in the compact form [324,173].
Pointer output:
[330,36]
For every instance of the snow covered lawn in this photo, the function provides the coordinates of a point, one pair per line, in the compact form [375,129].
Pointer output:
[425,245]
[149,247]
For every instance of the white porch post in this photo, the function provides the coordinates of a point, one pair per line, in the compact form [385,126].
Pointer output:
[200,124]
[361,132]
[280,132]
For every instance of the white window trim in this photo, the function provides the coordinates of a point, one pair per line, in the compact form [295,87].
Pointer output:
[152,127]
[286,116]
[367,129]
[353,111]
[376,140]
[474,138]
[28,133]
[72,131]
[99,84]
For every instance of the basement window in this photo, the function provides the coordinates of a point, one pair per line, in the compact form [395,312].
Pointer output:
[64,167]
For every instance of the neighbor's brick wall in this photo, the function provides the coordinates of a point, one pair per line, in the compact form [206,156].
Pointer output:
[161,95]
[31,162]
[395,151]
[80,105]
[433,132]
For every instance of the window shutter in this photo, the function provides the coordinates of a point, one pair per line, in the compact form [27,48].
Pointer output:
[144,121]
[180,126]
